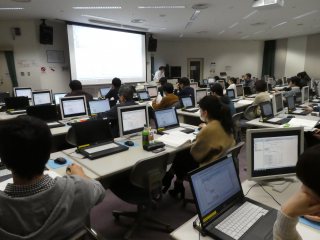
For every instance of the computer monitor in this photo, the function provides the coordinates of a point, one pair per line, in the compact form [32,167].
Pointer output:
[166,118]
[277,103]
[41,97]
[99,106]
[57,97]
[201,93]
[222,83]
[44,112]
[273,152]
[291,103]
[16,102]
[22,92]
[305,94]
[104,91]
[132,119]
[230,93]
[186,102]
[211,80]
[239,88]
[152,90]
[73,107]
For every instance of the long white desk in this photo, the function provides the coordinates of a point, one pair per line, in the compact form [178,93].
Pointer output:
[187,232]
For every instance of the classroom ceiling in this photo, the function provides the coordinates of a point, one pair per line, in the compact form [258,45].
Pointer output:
[179,19]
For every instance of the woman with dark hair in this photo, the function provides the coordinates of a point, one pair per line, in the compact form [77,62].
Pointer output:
[213,140]
[217,90]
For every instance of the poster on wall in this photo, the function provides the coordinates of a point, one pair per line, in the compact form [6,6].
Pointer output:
[55,56]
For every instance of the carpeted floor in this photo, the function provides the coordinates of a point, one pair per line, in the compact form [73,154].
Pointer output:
[169,210]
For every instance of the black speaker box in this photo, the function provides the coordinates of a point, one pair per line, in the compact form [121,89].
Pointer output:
[46,34]
[152,45]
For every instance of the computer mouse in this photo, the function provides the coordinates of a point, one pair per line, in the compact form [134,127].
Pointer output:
[60,160]
[129,143]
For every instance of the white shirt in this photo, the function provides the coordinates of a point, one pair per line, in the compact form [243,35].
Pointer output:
[233,86]
[159,74]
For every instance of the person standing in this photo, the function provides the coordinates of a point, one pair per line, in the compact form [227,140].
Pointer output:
[159,74]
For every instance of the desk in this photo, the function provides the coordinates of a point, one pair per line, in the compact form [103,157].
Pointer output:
[186,231]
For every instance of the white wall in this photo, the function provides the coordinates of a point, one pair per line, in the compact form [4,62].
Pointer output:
[30,55]
[313,56]
[296,55]
[240,56]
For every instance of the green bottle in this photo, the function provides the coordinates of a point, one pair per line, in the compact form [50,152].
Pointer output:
[145,136]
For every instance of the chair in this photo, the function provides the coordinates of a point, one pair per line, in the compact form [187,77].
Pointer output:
[250,112]
[237,126]
[142,187]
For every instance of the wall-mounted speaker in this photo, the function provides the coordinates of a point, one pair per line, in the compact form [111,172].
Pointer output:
[152,44]
[46,34]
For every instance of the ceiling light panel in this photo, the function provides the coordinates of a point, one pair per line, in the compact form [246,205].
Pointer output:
[306,14]
[97,17]
[233,25]
[161,7]
[250,14]
[278,25]
[10,9]
[97,7]
[195,15]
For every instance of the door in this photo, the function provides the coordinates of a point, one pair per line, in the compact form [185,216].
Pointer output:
[195,69]
[5,80]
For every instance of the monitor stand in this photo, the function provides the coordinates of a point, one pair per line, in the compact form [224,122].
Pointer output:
[279,184]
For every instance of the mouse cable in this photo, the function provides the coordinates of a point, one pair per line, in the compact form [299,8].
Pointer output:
[269,194]
[250,189]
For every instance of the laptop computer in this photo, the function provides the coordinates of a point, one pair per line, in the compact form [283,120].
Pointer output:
[16,105]
[94,139]
[187,104]
[167,119]
[47,113]
[268,116]
[143,96]
[292,107]
[224,212]
[99,107]
[231,94]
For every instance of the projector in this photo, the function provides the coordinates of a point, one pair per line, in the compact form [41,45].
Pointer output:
[268,3]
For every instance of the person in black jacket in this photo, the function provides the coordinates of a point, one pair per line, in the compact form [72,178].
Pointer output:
[112,95]
[184,88]
[76,90]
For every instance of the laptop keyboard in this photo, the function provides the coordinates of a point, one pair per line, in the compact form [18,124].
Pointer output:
[237,223]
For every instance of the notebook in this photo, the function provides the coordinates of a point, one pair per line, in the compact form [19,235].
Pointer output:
[224,212]
[268,116]
[188,105]
[167,119]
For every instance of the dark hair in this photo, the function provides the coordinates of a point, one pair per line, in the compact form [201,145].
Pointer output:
[116,82]
[168,87]
[25,145]
[162,68]
[126,91]
[185,81]
[261,86]
[75,85]
[218,111]
[295,80]
[217,88]
[248,75]
[233,80]
[308,168]
[216,78]
[163,80]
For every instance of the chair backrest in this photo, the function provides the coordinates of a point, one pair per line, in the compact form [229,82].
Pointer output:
[148,174]
[250,112]
[236,126]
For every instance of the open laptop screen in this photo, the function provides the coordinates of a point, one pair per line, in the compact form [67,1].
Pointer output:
[41,97]
[230,93]
[187,102]
[104,91]
[239,88]
[57,97]
[23,92]
[166,118]
[214,187]
[99,106]
[291,103]
[153,91]
[201,93]
[73,107]
[143,95]
[266,110]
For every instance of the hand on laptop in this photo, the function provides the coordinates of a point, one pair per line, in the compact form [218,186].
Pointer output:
[75,169]
[304,202]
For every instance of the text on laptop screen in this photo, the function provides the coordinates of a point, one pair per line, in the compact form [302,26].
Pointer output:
[187,102]
[57,97]
[23,92]
[99,106]
[104,91]
[153,91]
[132,119]
[230,93]
[214,185]
[279,102]
[143,95]
[41,97]
[166,118]
[273,153]
[290,102]
[239,90]
[267,109]
[201,94]
[73,107]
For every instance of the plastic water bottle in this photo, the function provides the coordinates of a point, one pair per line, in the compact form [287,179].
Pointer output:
[145,136]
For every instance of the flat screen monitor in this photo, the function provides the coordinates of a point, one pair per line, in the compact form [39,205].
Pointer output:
[291,103]
[57,97]
[132,119]
[201,93]
[104,91]
[152,90]
[41,97]
[73,107]
[222,83]
[44,112]
[305,94]
[239,88]
[211,80]
[277,103]
[166,118]
[230,93]
[99,106]
[16,102]
[22,92]
[273,152]
[194,85]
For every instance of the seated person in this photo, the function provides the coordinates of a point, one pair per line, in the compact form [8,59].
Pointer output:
[168,100]
[262,95]
[306,202]
[113,94]
[249,82]
[184,89]
[76,90]
[213,140]
[232,84]
[36,206]
[305,80]
[162,82]
[217,90]
[294,87]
